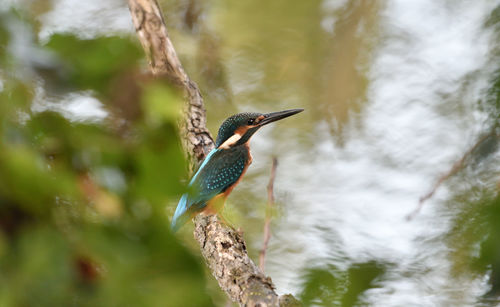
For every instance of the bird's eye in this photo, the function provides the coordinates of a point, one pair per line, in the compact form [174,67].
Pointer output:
[251,121]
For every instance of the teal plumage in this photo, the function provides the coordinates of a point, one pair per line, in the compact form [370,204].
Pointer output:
[219,171]
[223,166]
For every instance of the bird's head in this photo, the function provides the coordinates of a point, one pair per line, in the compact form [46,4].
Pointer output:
[239,128]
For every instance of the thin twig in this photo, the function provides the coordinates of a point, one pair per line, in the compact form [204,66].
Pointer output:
[267,224]
[457,166]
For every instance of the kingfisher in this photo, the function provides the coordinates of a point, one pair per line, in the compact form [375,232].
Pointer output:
[223,168]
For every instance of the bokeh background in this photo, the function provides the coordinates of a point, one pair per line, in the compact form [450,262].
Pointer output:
[396,92]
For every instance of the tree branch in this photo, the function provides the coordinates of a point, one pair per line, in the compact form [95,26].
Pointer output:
[223,248]
[163,61]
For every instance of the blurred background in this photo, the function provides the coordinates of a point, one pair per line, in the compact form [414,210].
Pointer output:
[396,92]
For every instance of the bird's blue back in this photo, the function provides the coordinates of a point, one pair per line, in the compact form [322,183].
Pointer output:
[220,170]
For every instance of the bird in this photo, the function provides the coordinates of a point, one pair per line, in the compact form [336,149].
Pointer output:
[224,166]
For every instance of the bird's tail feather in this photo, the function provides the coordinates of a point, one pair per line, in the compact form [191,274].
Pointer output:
[180,217]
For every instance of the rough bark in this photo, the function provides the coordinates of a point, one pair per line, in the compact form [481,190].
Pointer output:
[163,61]
[225,252]
[222,247]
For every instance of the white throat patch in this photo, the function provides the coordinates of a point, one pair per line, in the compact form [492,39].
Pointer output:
[231,141]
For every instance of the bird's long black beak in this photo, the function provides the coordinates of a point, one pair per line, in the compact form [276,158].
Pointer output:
[274,116]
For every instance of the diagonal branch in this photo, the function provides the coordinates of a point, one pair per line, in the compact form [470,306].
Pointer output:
[223,248]
[163,61]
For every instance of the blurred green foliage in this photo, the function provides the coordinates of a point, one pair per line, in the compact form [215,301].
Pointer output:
[82,204]
[475,233]
[474,239]
[92,63]
[493,97]
[489,257]
[334,287]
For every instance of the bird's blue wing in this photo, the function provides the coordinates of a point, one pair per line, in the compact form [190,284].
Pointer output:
[221,169]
